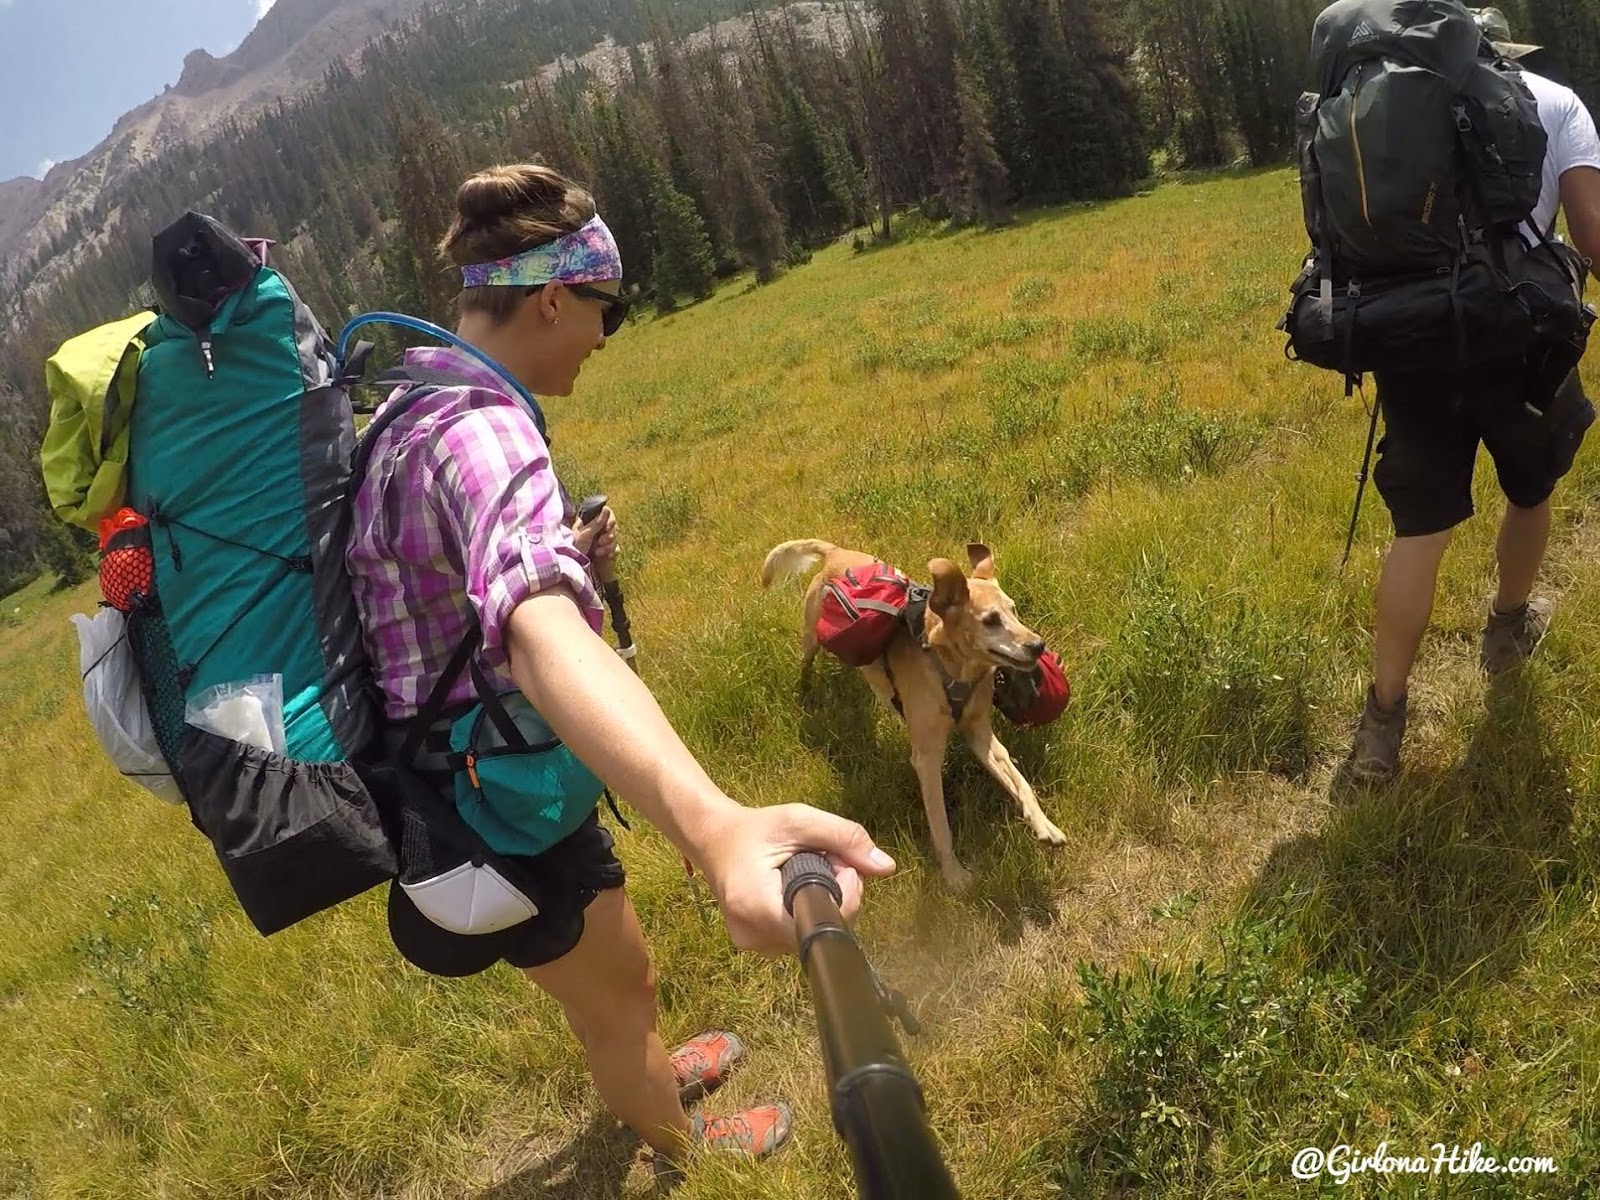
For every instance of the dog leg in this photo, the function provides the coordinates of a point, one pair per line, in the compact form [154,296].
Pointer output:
[988,750]
[882,689]
[808,628]
[929,765]
[808,651]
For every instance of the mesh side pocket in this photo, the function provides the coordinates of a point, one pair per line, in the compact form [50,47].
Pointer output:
[416,847]
[124,572]
[158,675]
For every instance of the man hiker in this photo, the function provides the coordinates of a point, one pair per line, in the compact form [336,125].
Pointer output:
[1433,422]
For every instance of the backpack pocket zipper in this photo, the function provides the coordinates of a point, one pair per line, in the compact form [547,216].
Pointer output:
[844,602]
[1355,140]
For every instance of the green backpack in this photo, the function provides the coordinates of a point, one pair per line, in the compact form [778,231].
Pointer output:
[1421,159]
[1420,136]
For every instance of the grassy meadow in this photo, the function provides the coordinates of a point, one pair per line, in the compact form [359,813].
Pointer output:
[1230,960]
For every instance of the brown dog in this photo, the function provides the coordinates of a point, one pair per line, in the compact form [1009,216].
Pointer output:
[971,628]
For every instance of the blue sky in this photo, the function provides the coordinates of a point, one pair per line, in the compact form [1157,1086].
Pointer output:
[70,68]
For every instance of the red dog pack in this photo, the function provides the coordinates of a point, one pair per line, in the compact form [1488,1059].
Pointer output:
[1034,697]
[861,609]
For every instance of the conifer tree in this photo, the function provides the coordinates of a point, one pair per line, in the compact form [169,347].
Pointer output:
[985,184]
[815,210]
[757,224]
[683,264]
[1569,31]
[427,172]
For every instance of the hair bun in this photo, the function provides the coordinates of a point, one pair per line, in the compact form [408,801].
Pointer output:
[500,192]
[511,207]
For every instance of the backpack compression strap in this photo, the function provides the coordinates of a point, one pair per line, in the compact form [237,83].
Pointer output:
[289,564]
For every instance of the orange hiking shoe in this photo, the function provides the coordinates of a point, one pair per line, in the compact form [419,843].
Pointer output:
[704,1063]
[757,1132]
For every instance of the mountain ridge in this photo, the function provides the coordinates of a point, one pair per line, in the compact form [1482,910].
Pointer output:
[287,51]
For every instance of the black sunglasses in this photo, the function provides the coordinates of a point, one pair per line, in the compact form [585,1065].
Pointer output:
[616,306]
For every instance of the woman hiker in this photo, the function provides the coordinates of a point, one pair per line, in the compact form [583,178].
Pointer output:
[460,519]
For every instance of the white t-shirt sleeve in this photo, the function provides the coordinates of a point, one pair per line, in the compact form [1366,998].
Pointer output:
[1572,142]
[1576,143]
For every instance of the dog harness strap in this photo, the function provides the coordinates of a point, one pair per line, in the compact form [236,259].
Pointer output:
[894,691]
[891,610]
[957,695]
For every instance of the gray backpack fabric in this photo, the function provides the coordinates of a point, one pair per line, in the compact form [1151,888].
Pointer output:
[1420,137]
[1421,156]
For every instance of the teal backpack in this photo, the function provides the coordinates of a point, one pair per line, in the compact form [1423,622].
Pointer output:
[248,645]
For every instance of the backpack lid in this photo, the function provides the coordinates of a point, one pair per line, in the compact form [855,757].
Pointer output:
[197,263]
[1439,35]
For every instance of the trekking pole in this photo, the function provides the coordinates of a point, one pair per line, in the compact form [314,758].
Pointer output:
[606,572]
[877,1103]
[1361,487]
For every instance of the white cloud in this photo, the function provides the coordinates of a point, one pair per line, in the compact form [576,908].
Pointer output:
[261,7]
[44,168]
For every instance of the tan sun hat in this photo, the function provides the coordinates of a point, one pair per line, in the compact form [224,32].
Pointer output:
[1498,30]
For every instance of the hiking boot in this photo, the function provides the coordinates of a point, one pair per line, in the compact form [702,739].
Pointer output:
[703,1064]
[1509,638]
[1375,755]
[756,1132]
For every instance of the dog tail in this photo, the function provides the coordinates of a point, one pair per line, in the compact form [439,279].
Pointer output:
[791,558]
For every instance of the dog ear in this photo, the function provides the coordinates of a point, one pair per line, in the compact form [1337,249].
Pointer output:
[949,585]
[982,560]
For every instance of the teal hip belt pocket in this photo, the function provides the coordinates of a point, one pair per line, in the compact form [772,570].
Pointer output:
[517,784]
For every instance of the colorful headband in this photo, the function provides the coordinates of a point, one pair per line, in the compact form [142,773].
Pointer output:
[587,255]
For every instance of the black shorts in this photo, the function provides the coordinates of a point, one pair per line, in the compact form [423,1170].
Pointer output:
[569,876]
[1432,427]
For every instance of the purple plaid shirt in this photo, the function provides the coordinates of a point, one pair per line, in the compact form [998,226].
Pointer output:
[460,515]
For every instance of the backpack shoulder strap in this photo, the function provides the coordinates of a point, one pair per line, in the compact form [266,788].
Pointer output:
[417,727]
[369,437]
[435,380]
[462,659]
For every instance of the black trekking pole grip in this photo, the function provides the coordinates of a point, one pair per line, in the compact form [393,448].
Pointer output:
[605,573]
[876,1101]
[805,868]
[588,511]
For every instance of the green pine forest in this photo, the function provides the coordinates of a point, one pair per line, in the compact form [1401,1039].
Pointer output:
[709,156]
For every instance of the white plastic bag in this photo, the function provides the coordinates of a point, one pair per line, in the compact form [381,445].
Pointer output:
[248,711]
[115,704]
